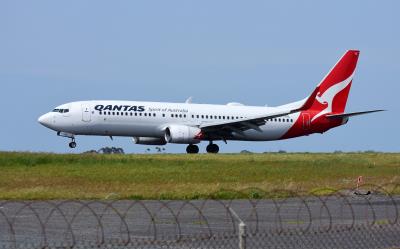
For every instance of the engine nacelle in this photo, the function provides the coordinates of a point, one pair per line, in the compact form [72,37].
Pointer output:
[182,134]
[149,140]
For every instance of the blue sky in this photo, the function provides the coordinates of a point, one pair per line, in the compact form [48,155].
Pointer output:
[254,52]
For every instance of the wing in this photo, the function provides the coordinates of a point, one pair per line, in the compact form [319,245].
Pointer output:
[223,129]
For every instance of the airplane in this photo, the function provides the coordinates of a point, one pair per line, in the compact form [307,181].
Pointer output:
[159,123]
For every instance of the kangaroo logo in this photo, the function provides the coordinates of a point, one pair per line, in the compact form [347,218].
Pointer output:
[327,97]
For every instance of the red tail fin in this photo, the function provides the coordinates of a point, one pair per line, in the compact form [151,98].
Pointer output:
[335,87]
[327,100]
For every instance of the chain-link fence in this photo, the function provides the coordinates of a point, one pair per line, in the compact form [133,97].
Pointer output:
[365,218]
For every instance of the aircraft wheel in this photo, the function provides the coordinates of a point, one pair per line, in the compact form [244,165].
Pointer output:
[72,145]
[212,148]
[192,149]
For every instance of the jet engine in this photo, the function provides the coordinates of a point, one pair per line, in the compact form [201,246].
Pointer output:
[182,134]
[149,140]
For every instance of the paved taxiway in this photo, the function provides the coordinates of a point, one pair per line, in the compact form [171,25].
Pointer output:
[346,221]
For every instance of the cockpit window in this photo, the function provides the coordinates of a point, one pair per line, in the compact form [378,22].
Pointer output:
[61,110]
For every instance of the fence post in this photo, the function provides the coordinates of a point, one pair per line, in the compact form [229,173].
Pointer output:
[242,235]
[242,229]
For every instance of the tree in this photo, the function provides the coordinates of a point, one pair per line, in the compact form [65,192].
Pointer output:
[111,150]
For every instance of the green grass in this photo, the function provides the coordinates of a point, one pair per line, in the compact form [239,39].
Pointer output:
[164,176]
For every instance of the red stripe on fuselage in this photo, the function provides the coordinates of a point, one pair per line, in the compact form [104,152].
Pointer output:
[303,125]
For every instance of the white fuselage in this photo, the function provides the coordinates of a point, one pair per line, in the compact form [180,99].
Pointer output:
[149,119]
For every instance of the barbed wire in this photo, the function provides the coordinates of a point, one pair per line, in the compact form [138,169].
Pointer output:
[364,217]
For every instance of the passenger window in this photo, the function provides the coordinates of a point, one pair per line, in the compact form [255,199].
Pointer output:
[223,117]
[219,117]
[100,113]
[227,117]
[140,114]
[154,114]
[207,116]
[197,116]
[184,116]
[163,114]
[210,117]
[192,116]
[215,117]
[180,115]
[202,116]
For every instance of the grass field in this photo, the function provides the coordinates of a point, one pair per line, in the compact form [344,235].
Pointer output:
[165,176]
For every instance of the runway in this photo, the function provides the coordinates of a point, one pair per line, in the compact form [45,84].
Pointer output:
[337,221]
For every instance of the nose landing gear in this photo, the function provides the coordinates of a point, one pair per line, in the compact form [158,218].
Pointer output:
[192,149]
[72,144]
[212,148]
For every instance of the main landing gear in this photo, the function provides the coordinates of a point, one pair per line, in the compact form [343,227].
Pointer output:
[192,149]
[212,148]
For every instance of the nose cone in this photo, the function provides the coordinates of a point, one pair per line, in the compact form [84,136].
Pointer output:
[45,120]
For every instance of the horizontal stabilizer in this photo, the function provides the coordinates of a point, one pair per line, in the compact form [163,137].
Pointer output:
[346,115]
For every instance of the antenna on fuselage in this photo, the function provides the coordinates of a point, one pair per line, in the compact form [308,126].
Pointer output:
[189,100]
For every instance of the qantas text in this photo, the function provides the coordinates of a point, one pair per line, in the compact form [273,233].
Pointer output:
[124,108]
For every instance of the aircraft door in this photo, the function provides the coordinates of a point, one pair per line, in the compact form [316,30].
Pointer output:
[306,121]
[86,116]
